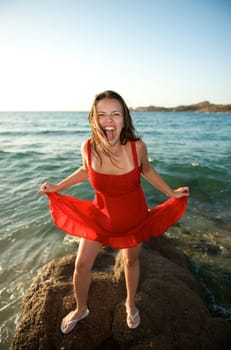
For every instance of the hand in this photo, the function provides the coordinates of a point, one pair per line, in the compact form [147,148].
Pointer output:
[47,187]
[181,192]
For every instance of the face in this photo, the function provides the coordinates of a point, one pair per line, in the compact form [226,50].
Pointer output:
[111,119]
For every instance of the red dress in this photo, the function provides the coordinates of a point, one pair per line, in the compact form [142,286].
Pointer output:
[118,216]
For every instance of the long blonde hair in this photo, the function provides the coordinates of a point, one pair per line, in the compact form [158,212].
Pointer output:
[99,140]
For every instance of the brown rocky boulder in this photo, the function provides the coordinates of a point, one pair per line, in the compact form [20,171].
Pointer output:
[173,316]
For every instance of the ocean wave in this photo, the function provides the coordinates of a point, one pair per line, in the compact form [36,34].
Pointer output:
[51,132]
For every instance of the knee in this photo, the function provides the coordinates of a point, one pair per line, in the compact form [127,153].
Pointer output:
[81,266]
[131,262]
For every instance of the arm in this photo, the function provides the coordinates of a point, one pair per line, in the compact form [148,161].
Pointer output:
[152,176]
[76,177]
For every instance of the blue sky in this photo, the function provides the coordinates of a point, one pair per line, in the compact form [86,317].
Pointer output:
[56,55]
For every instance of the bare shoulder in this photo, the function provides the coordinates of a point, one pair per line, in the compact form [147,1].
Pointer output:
[84,152]
[141,150]
[141,147]
[84,146]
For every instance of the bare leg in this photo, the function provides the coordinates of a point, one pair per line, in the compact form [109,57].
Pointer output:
[132,273]
[86,255]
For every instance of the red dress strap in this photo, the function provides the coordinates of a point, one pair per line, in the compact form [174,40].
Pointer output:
[89,152]
[134,153]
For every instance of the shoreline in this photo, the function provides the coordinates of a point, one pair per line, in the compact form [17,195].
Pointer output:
[202,107]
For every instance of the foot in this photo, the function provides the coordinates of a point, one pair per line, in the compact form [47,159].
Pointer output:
[133,319]
[70,321]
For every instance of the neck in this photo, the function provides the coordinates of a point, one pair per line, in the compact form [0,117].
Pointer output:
[116,149]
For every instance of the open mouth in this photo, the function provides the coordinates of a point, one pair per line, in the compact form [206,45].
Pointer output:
[110,133]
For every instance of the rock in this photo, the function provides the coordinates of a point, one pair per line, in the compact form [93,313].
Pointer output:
[172,313]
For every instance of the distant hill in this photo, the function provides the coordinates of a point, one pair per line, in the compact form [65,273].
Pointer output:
[204,106]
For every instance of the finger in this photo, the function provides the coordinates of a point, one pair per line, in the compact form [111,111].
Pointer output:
[186,191]
[43,189]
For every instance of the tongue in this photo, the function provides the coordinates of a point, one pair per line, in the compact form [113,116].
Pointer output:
[110,135]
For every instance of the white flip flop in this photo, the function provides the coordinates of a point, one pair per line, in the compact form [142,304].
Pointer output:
[131,318]
[72,323]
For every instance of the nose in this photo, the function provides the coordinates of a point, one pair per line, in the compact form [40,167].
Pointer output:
[109,118]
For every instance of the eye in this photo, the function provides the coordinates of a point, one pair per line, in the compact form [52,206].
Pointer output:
[116,114]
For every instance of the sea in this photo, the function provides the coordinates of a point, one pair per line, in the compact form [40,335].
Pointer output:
[187,149]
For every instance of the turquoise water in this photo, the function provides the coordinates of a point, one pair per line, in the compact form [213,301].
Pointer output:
[186,148]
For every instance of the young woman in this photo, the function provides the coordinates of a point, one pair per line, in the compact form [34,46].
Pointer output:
[113,160]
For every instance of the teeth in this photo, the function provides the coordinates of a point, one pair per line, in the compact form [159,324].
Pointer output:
[109,128]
